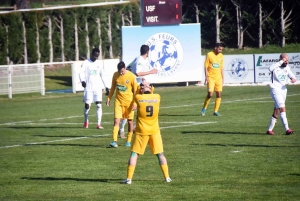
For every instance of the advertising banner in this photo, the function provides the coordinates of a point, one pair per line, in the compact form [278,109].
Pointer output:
[262,62]
[175,51]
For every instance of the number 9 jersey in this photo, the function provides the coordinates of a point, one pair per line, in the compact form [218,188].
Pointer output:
[147,114]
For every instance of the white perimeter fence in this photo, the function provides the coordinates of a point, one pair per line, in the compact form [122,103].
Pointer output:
[239,70]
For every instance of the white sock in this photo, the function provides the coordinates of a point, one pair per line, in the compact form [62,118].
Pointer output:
[86,114]
[99,114]
[273,121]
[122,124]
[284,120]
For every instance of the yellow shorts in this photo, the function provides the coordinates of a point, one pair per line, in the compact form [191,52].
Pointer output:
[214,85]
[140,143]
[123,112]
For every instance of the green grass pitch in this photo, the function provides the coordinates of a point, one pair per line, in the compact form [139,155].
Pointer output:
[45,153]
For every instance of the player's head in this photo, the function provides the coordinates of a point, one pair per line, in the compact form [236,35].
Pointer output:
[218,48]
[285,59]
[144,50]
[121,68]
[95,54]
[145,87]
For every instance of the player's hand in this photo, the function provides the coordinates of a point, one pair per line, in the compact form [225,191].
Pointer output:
[293,80]
[108,102]
[134,107]
[154,71]
[107,91]
[83,84]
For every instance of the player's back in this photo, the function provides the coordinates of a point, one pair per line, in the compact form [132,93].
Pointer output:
[147,114]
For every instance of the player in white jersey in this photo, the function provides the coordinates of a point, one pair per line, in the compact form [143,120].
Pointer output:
[280,73]
[138,67]
[91,77]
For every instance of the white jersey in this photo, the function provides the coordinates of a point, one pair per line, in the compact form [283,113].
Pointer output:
[280,75]
[139,64]
[92,74]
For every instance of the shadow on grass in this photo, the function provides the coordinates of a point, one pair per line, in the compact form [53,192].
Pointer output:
[221,132]
[62,80]
[68,179]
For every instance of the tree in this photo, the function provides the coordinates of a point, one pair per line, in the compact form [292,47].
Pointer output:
[285,22]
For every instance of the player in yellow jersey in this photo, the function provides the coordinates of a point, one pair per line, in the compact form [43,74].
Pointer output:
[124,82]
[147,131]
[214,77]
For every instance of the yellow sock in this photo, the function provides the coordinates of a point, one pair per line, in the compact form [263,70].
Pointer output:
[129,136]
[130,171]
[217,104]
[206,102]
[115,133]
[165,170]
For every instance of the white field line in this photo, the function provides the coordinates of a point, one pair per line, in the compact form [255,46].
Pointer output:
[85,137]
[175,106]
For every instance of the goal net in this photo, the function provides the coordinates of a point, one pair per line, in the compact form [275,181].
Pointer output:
[25,78]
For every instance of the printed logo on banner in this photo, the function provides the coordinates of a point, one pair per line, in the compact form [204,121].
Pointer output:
[165,53]
[238,69]
[295,61]
[260,61]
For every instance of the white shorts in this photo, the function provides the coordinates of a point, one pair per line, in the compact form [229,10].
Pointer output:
[279,97]
[92,96]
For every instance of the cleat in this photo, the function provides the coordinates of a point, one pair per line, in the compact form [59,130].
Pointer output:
[203,111]
[289,131]
[121,134]
[270,133]
[99,127]
[128,144]
[113,144]
[85,124]
[216,114]
[127,181]
[168,180]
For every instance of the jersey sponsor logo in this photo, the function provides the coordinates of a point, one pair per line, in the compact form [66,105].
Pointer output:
[93,72]
[238,69]
[148,101]
[165,55]
[121,88]
[215,65]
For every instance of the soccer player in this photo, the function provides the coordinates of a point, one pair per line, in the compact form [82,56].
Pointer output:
[125,84]
[214,77]
[280,73]
[147,132]
[91,77]
[138,67]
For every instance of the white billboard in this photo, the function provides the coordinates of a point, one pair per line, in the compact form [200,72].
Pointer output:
[175,51]
[262,62]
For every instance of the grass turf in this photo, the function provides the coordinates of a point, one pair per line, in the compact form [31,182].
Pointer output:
[46,154]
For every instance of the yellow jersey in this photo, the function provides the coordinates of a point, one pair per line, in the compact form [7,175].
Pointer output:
[147,114]
[214,64]
[125,86]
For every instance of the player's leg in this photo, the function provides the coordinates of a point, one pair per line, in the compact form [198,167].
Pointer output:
[281,103]
[210,88]
[156,146]
[87,99]
[218,88]
[117,117]
[130,126]
[276,112]
[98,101]
[273,121]
[122,127]
[139,144]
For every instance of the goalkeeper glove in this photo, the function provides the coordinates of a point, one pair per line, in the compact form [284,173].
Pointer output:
[107,91]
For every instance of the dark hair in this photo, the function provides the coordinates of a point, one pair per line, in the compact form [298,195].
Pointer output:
[95,50]
[218,45]
[144,49]
[121,65]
